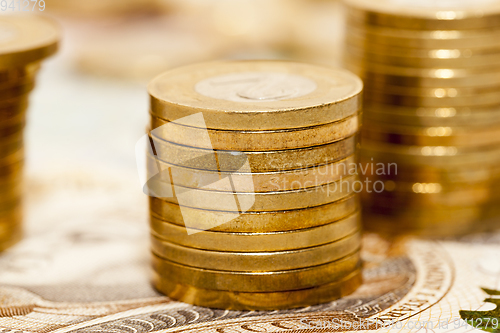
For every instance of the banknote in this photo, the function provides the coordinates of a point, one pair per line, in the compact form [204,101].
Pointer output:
[85,268]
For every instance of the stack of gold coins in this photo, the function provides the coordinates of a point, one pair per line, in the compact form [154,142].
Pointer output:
[432,112]
[24,42]
[252,184]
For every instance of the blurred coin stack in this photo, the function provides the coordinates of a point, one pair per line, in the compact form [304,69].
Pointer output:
[252,184]
[24,42]
[431,135]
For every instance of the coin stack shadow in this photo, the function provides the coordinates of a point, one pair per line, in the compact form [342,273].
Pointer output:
[431,115]
[24,42]
[261,158]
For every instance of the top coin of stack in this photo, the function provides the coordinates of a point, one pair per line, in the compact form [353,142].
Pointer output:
[432,107]
[24,42]
[252,184]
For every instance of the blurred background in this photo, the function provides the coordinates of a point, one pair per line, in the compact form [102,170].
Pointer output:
[90,107]
[93,92]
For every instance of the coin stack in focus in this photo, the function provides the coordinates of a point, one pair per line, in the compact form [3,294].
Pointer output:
[431,134]
[261,158]
[24,42]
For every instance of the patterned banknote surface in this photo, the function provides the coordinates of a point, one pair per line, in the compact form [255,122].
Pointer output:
[84,267]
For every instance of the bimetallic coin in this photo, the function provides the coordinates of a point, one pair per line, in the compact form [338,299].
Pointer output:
[431,136]
[279,160]
[255,242]
[258,301]
[248,222]
[159,171]
[294,279]
[260,202]
[256,261]
[256,95]
[426,15]
[255,140]
[26,39]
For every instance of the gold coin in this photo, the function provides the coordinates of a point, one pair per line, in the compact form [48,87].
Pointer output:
[8,204]
[442,97]
[445,93]
[256,95]
[293,279]
[278,160]
[258,301]
[12,158]
[363,52]
[27,39]
[426,15]
[18,74]
[447,116]
[16,91]
[11,191]
[11,171]
[255,140]
[425,77]
[392,226]
[17,86]
[259,202]
[262,182]
[429,221]
[431,136]
[471,174]
[11,146]
[432,194]
[256,261]
[422,39]
[10,237]
[11,133]
[255,242]
[9,122]
[14,110]
[9,162]
[11,233]
[253,222]
[432,156]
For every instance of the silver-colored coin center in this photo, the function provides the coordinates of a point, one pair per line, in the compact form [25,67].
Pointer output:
[256,86]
